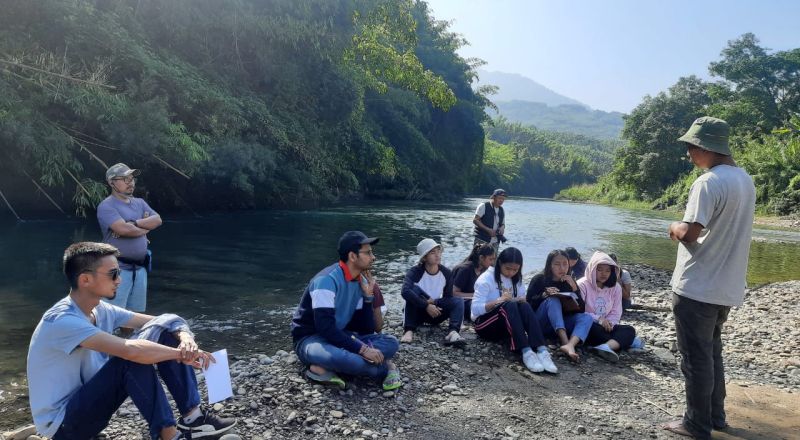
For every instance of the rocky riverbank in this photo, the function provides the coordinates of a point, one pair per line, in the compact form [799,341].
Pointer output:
[483,391]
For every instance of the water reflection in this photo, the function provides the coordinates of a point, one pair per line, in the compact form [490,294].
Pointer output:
[240,274]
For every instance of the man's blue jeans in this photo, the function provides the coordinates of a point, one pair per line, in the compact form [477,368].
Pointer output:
[551,318]
[315,350]
[92,406]
[132,290]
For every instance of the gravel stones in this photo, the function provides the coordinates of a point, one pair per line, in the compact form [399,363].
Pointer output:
[484,392]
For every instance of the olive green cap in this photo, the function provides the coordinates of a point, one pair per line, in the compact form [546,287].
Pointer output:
[709,134]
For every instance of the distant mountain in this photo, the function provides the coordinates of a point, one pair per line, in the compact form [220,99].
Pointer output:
[517,87]
[521,99]
[564,118]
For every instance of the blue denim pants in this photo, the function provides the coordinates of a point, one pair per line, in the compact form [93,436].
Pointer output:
[315,350]
[92,406]
[551,317]
[132,290]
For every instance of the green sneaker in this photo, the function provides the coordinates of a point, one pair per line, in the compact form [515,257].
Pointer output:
[392,381]
[327,379]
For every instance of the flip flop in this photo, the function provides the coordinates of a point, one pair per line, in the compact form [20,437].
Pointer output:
[326,379]
[676,427]
[609,355]
[392,381]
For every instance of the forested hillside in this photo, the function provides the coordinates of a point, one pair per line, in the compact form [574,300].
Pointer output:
[246,103]
[531,162]
[757,91]
[572,118]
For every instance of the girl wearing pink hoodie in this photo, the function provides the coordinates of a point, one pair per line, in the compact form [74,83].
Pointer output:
[603,298]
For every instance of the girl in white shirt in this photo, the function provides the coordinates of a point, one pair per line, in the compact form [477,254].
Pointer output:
[500,311]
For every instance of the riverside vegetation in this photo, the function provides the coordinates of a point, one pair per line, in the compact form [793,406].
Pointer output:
[260,103]
[757,92]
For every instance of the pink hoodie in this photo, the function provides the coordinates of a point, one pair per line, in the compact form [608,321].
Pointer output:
[603,302]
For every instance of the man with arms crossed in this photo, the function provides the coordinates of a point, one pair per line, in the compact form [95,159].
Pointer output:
[79,373]
[125,221]
[710,271]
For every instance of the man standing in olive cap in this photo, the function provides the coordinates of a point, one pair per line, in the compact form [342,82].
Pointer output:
[124,222]
[710,271]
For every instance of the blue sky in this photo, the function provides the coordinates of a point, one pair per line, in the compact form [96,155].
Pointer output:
[609,54]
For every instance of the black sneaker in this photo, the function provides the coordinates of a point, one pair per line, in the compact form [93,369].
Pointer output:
[207,425]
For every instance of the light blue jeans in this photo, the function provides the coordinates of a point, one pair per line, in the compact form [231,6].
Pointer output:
[315,350]
[132,291]
[551,318]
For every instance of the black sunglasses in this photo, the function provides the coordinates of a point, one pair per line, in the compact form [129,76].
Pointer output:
[113,273]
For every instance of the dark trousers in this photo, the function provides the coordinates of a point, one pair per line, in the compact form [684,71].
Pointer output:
[698,327]
[92,406]
[623,334]
[511,319]
[452,309]
[467,310]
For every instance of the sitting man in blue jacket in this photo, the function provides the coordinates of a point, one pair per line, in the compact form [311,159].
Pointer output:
[333,328]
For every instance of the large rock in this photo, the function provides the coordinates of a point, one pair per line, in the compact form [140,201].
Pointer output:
[20,433]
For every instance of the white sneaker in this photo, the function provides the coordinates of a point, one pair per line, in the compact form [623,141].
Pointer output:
[531,362]
[547,362]
[455,339]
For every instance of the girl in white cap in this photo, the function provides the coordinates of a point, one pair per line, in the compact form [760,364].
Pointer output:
[428,291]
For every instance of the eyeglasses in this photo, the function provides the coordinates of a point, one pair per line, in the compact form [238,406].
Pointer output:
[129,179]
[369,252]
[113,273]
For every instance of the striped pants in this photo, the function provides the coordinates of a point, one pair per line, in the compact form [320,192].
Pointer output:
[513,320]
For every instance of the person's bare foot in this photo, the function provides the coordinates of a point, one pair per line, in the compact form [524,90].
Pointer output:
[407,337]
[316,369]
[570,352]
[676,427]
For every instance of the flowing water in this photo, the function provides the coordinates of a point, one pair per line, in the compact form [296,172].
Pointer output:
[239,275]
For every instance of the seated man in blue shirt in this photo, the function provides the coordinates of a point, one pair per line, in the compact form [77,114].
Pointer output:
[333,328]
[79,373]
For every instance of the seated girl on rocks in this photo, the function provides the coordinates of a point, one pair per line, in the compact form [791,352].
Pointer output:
[553,295]
[499,311]
[603,298]
[428,291]
[467,272]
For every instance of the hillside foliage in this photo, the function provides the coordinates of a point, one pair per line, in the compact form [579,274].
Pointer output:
[756,90]
[246,103]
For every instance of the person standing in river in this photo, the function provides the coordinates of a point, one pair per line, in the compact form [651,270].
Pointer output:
[710,271]
[333,327]
[490,220]
[125,221]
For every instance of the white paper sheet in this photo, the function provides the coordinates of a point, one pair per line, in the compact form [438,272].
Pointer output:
[218,378]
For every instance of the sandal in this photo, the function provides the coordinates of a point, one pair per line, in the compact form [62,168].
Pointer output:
[392,381]
[328,378]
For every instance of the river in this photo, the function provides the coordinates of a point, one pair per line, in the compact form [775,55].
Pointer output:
[238,275]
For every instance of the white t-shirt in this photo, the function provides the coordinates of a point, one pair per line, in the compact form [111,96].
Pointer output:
[714,269]
[486,290]
[625,277]
[433,285]
[57,365]
[482,210]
